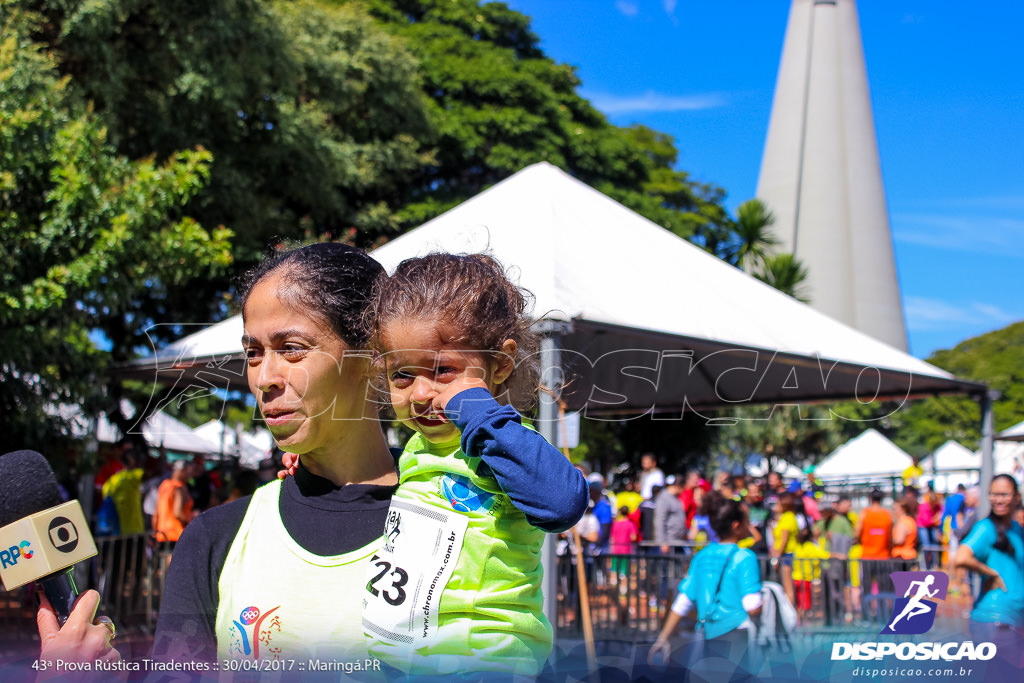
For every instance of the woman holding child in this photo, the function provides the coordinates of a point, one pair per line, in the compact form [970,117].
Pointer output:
[285,573]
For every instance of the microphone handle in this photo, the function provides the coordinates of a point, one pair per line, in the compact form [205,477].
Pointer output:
[61,591]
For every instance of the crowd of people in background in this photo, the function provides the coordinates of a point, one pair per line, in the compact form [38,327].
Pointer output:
[139,490]
[795,524]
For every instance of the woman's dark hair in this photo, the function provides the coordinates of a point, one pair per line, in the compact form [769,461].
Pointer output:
[1003,524]
[473,303]
[910,506]
[332,282]
[722,513]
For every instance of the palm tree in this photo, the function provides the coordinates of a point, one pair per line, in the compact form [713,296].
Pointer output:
[754,238]
[786,274]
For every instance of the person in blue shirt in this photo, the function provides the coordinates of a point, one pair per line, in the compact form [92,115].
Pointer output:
[953,510]
[723,584]
[603,511]
[994,548]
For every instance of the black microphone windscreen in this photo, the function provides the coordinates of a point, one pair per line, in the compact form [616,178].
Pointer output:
[27,486]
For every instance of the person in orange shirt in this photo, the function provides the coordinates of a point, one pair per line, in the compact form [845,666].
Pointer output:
[174,504]
[904,532]
[874,532]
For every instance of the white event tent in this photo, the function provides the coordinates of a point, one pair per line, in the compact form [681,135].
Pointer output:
[951,464]
[636,320]
[251,448]
[643,321]
[951,457]
[869,456]
[159,430]
[1014,433]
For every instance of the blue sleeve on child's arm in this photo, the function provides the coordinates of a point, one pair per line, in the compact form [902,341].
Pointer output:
[538,479]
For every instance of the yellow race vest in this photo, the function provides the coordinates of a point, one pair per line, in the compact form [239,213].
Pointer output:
[281,602]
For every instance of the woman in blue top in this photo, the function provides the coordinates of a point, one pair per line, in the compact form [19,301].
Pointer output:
[994,548]
[723,583]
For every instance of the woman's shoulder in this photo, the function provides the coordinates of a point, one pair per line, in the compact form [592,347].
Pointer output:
[745,555]
[216,524]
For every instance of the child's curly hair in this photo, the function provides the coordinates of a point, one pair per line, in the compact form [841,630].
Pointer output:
[474,303]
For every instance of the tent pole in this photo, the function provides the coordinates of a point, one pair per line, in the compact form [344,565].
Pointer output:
[547,424]
[986,401]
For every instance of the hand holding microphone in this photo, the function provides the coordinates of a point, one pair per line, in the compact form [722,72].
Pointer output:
[41,539]
[81,638]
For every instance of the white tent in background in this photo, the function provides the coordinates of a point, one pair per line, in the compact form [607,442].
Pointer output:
[1009,458]
[1014,433]
[870,456]
[251,448]
[159,430]
[954,464]
[951,457]
[646,321]
[162,430]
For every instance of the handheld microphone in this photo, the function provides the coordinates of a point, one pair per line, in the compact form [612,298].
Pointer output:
[40,537]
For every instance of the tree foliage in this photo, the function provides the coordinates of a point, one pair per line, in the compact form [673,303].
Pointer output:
[313,115]
[498,104]
[88,237]
[996,359]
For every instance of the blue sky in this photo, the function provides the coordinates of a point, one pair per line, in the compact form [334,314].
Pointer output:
[947,86]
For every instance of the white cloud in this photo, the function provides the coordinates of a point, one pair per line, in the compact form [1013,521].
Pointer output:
[655,102]
[931,314]
[630,9]
[670,6]
[976,231]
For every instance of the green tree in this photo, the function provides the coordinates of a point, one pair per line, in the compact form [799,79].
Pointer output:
[314,116]
[498,104]
[785,273]
[89,237]
[995,358]
[754,238]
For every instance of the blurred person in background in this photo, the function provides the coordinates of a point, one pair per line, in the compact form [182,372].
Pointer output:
[929,513]
[174,505]
[874,533]
[784,536]
[650,475]
[904,533]
[723,584]
[994,549]
[669,517]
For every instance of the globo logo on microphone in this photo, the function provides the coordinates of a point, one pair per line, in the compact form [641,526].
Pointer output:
[43,543]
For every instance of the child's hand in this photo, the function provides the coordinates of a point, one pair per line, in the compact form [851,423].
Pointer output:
[290,461]
[440,401]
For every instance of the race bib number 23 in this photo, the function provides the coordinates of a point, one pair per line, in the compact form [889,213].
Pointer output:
[406,577]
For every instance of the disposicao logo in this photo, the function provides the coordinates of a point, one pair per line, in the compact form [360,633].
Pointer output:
[914,613]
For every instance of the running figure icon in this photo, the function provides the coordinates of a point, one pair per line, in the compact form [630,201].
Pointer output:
[914,606]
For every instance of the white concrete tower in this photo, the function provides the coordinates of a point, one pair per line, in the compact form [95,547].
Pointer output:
[820,173]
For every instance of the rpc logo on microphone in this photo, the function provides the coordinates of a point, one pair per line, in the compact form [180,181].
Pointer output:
[9,557]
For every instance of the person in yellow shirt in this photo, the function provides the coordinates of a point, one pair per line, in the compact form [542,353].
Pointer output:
[628,497]
[784,535]
[806,570]
[913,473]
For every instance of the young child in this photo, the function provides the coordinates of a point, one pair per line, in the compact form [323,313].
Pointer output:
[457,585]
[623,536]
[806,567]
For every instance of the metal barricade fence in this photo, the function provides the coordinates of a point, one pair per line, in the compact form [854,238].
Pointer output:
[127,571]
[630,595]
